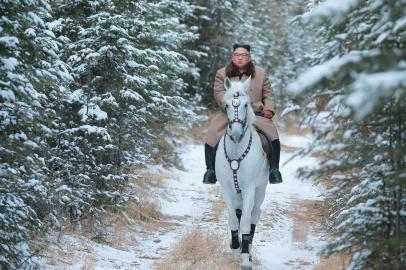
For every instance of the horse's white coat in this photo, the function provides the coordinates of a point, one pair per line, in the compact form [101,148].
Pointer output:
[254,168]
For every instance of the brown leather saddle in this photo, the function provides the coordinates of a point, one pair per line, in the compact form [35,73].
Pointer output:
[265,143]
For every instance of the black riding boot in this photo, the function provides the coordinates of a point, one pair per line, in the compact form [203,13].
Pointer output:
[210,154]
[275,176]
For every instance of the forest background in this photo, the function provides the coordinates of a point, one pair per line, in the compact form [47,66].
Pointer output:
[89,90]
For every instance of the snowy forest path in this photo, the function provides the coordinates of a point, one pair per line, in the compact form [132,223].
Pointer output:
[289,233]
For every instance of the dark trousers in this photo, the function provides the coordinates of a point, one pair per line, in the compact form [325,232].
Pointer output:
[274,157]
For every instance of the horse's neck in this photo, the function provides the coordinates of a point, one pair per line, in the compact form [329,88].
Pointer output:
[235,150]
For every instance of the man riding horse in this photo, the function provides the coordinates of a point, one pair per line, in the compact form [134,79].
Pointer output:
[262,101]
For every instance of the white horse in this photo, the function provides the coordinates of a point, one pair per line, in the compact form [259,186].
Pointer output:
[241,168]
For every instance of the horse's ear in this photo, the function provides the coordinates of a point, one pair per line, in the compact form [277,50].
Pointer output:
[246,84]
[227,83]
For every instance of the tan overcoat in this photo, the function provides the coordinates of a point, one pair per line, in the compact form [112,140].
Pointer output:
[261,96]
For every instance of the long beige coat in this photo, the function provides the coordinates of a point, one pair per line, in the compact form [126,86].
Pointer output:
[261,96]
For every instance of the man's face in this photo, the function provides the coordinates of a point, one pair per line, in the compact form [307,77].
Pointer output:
[241,57]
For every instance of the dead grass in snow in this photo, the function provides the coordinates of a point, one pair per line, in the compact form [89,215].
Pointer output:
[199,250]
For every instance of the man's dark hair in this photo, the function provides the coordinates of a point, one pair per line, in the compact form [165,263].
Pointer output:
[245,46]
[232,70]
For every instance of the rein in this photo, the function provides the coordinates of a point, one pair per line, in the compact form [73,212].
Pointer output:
[235,163]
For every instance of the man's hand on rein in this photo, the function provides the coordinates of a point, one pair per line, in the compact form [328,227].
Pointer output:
[267,114]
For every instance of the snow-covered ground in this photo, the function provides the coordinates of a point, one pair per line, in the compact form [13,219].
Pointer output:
[289,241]
[288,235]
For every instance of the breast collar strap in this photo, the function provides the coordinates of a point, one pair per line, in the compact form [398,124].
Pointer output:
[235,163]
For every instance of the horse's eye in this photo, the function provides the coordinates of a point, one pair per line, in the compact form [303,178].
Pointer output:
[246,105]
[226,106]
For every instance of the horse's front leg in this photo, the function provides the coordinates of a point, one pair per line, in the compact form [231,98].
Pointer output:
[233,221]
[248,197]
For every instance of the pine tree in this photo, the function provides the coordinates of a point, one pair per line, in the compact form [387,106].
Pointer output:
[358,92]
[87,88]
[222,25]
[30,72]
[278,44]
[127,61]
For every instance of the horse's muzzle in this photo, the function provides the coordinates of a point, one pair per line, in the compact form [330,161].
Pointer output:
[237,139]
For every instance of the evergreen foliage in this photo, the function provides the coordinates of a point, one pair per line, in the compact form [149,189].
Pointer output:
[223,24]
[358,99]
[31,72]
[87,88]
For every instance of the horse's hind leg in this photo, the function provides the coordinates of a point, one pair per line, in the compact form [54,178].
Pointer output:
[238,213]
[248,204]
[238,207]
[259,199]
[256,212]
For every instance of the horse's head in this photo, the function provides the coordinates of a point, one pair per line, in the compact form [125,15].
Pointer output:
[238,108]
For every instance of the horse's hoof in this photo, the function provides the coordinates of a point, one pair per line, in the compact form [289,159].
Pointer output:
[236,252]
[245,262]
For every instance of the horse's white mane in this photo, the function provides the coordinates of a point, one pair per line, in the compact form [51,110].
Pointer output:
[238,87]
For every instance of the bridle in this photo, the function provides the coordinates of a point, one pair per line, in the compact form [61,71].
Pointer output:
[235,163]
[236,104]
